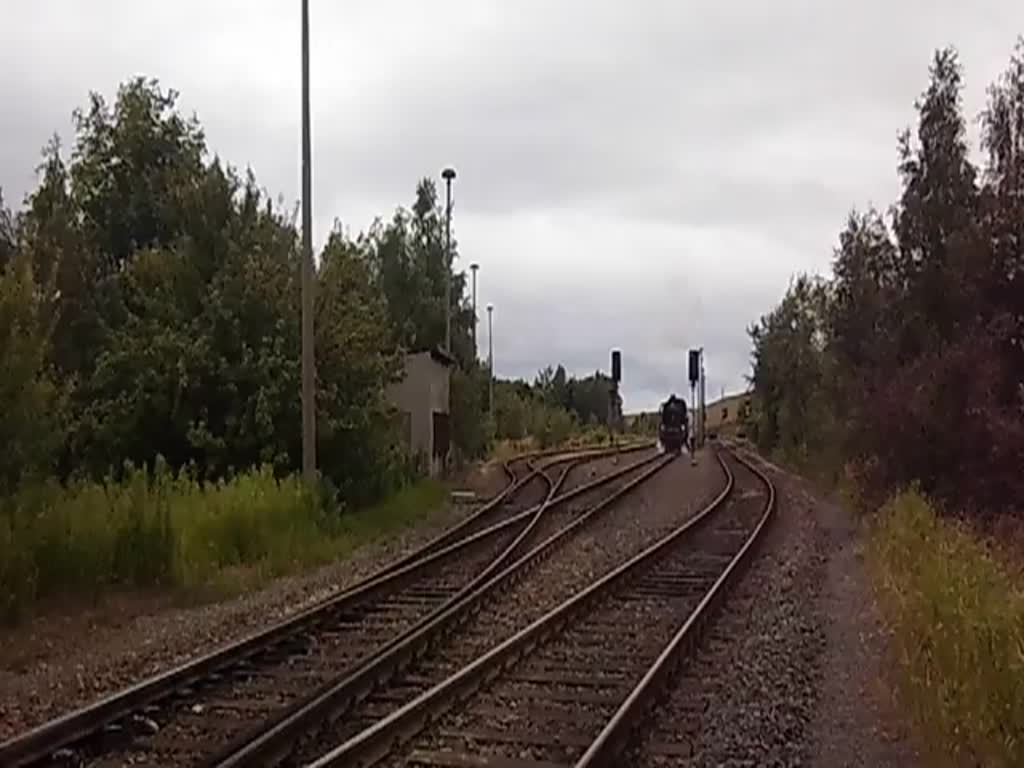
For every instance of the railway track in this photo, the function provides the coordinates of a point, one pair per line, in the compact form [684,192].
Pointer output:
[572,688]
[472,624]
[243,683]
[526,489]
[353,698]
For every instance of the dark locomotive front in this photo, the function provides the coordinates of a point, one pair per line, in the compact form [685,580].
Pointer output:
[673,424]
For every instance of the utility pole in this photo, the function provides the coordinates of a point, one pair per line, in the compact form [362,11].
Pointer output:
[475,268]
[448,174]
[490,358]
[308,355]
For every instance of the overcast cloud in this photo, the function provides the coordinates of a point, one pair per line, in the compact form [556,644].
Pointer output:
[642,174]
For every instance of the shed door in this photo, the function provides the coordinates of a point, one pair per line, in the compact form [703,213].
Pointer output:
[440,434]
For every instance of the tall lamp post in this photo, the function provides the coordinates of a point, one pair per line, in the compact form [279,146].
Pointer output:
[474,267]
[308,359]
[490,358]
[448,174]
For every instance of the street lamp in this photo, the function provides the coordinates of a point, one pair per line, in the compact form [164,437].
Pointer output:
[448,174]
[490,358]
[474,267]
[308,357]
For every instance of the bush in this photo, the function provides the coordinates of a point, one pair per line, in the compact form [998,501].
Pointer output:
[471,429]
[167,530]
[958,623]
[552,427]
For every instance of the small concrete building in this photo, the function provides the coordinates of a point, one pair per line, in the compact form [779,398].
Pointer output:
[728,412]
[422,398]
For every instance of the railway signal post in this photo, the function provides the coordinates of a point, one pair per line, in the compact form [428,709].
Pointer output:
[703,401]
[695,376]
[613,393]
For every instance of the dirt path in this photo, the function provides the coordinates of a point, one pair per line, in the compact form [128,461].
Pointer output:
[853,722]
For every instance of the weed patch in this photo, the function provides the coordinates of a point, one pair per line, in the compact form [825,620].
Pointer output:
[957,617]
[168,530]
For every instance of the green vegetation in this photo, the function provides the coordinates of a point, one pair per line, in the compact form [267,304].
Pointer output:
[903,370]
[555,408]
[168,529]
[579,438]
[906,363]
[958,627]
[149,338]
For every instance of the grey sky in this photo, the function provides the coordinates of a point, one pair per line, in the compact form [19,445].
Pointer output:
[645,175]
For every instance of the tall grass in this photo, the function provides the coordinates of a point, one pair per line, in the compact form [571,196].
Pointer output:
[958,622]
[168,530]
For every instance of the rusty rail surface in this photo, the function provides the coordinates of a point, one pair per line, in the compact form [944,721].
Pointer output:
[109,715]
[277,740]
[692,566]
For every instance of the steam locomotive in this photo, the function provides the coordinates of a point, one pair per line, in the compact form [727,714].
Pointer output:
[673,424]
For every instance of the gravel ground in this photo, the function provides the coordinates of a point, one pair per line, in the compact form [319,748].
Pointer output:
[789,673]
[591,470]
[580,676]
[60,662]
[623,530]
[89,660]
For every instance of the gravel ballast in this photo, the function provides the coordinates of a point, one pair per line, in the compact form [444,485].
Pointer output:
[57,664]
[591,469]
[550,703]
[621,531]
[788,674]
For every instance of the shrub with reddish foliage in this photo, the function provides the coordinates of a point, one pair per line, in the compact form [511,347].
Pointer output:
[942,422]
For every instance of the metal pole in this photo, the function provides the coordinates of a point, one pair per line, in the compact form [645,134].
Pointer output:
[308,355]
[474,267]
[703,411]
[448,174]
[490,358]
[693,421]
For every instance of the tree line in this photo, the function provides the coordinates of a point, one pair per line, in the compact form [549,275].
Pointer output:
[149,307]
[906,366]
[551,407]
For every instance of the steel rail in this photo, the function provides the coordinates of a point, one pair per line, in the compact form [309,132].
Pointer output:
[379,739]
[517,483]
[275,743]
[49,737]
[606,749]
[37,744]
[365,668]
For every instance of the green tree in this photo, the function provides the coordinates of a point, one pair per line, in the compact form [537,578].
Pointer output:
[790,373]
[939,246]
[1003,214]
[8,238]
[356,359]
[136,166]
[511,411]
[470,427]
[176,308]
[30,399]
[915,371]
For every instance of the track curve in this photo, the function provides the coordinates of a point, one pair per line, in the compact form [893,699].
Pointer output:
[570,688]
